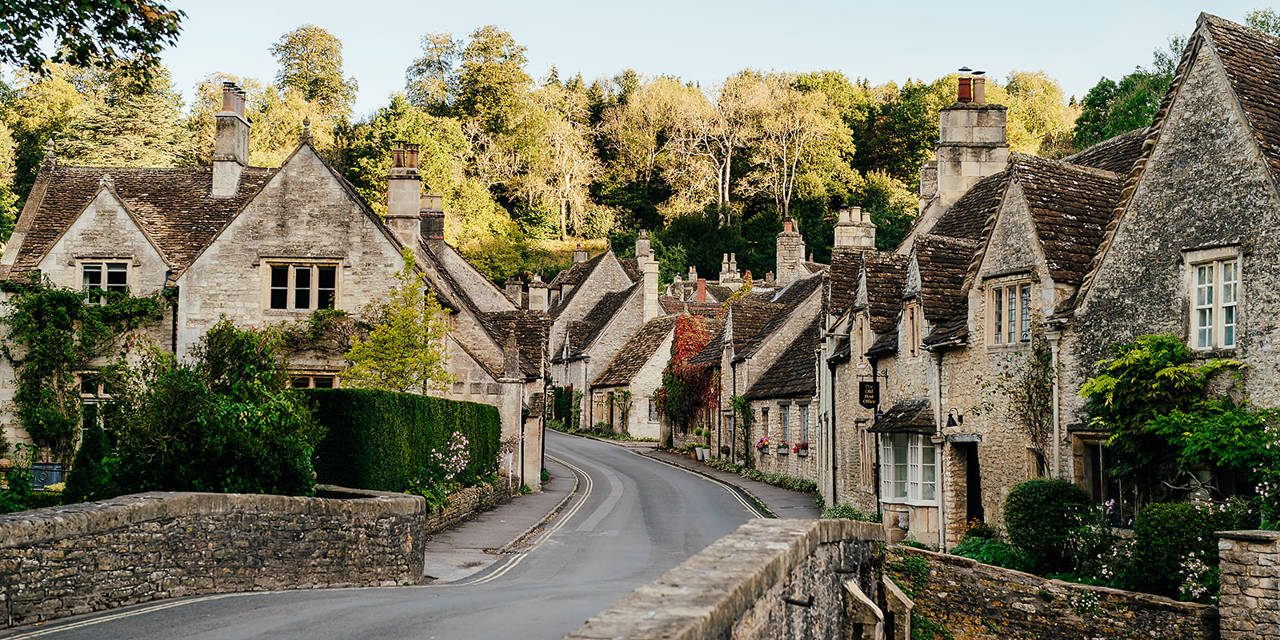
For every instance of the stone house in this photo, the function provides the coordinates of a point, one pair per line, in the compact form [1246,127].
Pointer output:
[269,247]
[784,399]
[623,394]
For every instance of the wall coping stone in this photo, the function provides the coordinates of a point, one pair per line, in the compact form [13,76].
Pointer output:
[26,528]
[707,593]
[1250,535]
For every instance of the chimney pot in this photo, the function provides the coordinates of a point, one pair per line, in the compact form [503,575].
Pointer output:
[966,90]
[397,155]
[411,156]
[979,90]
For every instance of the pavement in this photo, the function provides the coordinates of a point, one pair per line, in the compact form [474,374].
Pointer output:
[784,503]
[631,519]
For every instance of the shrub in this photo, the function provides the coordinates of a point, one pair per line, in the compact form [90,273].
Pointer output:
[383,440]
[991,551]
[849,513]
[16,493]
[91,476]
[1176,550]
[1040,515]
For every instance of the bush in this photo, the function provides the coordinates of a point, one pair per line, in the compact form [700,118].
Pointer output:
[382,440]
[849,513]
[991,551]
[1176,550]
[91,476]
[1040,515]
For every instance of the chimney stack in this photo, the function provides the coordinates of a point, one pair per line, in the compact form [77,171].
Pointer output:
[579,254]
[855,230]
[790,253]
[404,188]
[702,290]
[537,294]
[231,142]
[515,290]
[650,280]
[643,248]
[972,143]
[431,217]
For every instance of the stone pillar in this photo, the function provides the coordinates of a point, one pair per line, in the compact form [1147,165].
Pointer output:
[1249,604]
[231,142]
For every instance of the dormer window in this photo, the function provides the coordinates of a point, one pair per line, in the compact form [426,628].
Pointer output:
[1215,297]
[1010,304]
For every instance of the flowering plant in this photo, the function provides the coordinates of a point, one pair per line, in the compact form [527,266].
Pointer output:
[762,443]
[800,446]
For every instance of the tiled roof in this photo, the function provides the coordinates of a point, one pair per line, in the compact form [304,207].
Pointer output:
[576,273]
[711,353]
[632,267]
[943,264]
[675,305]
[1071,208]
[907,416]
[1116,155]
[967,218]
[884,345]
[749,317]
[530,328]
[814,267]
[794,373]
[886,273]
[635,353]
[1252,63]
[842,278]
[173,206]
[581,333]
[952,330]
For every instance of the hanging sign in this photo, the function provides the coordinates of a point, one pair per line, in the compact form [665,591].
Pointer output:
[869,394]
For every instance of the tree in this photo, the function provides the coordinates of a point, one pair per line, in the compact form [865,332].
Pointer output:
[39,109]
[310,61]
[278,118]
[86,32]
[405,351]
[492,79]
[1039,119]
[710,133]
[1264,20]
[431,82]
[1111,108]
[892,207]
[131,119]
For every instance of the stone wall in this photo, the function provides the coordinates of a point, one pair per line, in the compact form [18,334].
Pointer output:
[1249,562]
[468,502]
[89,557]
[981,602]
[769,579]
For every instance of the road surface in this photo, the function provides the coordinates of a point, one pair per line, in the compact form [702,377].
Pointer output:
[631,520]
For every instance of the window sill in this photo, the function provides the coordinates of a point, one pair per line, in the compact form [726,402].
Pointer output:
[904,502]
[1017,346]
[288,312]
[1217,352]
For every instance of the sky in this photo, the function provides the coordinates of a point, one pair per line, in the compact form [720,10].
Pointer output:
[1076,42]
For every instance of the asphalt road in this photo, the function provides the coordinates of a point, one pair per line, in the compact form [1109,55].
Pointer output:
[632,519]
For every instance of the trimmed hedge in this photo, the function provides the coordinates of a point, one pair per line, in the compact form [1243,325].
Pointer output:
[381,440]
[1168,534]
[1040,515]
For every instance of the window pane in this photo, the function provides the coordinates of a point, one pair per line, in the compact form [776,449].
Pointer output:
[900,468]
[783,417]
[323,382]
[117,276]
[326,286]
[1024,325]
[302,287]
[92,276]
[301,382]
[928,471]
[913,461]
[998,307]
[804,424]
[1011,304]
[886,466]
[279,287]
[88,385]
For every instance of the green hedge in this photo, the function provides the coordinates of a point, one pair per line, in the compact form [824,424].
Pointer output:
[1168,534]
[381,440]
[1040,515]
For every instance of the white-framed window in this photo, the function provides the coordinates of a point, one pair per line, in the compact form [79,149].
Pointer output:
[908,467]
[312,381]
[1010,313]
[783,419]
[302,286]
[1215,298]
[93,395]
[103,276]
[804,423]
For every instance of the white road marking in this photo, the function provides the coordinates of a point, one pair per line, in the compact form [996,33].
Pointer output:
[726,486]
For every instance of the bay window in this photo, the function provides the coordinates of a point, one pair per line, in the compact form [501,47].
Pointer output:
[908,467]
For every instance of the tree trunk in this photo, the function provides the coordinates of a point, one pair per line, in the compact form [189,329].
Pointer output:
[564,222]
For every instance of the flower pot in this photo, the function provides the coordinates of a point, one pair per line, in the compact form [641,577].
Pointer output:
[803,453]
[783,449]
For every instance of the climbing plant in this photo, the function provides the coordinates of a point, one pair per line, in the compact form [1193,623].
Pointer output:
[687,389]
[55,332]
[1022,389]
[746,420]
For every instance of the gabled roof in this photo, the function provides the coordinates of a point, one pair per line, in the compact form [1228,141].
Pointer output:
[842,279]
[674,305]
[967,218]
[886,273]
[749,317]
[1116,155]
[530,329]
[580,334]
[635,353]
[782,304]
[943,264]
[794,373]
[1251,60]
[1070,207]
[173,207]
[907,416]
[576,273]
[711,353]
[632,267]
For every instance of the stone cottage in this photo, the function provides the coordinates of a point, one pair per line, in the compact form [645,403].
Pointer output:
[269,246]
[623,394]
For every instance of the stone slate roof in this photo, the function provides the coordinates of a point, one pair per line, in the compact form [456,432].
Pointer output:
[782,304]
[794,374]
[943,263]
[635,353]
[951,331]
[814,267]
[907,416]
[1071,208]
[886,273]
[842,279]
[749,319]
[672,305]
[173,207]
[967,218]
[632,267]
[1251,60]
[886,344]
[576,273]
[531,329]
[1116,155]
[581,333]
[711,353]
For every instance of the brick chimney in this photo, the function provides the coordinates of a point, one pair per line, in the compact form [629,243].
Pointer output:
[855,230]
[790,255]
[431,217]
[579,254]
[231,142]
[702,290]
[404,188]
[972,143]
[537,294]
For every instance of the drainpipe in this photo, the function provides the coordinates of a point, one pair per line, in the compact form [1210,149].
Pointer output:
[938,461]
[173,336]
[831,427]
[1054,335]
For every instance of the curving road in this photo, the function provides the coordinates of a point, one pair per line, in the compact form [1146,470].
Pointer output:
[631,520]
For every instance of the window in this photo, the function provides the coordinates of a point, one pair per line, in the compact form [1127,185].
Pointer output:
[764,421]
[783,419]
[104,276]
[804,423]
[908,467]
[309,381]
[913,330]
[1011,313]
[653,410]
[1214,299]
[303,286]
[93,394]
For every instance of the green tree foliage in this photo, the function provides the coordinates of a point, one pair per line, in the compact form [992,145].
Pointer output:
[1264,20]
[491,79]
[92,473]
[85,32]
[310,60]
[1112,108]
[431,81]
[406,349]
[129,119]
[223,422]
[1039,515]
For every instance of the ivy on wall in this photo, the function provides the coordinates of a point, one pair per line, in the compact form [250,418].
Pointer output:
[53,333]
